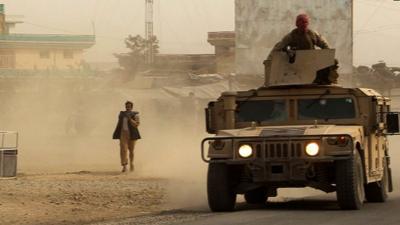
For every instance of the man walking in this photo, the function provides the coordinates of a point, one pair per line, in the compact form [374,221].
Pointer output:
[127,132]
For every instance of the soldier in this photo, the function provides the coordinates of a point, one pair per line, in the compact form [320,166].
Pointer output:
[127,133]
[301,38]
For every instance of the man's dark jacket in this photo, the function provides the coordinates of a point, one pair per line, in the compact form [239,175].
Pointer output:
[133,131]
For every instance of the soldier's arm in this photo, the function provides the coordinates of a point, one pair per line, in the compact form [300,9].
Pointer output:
[281,45]
[321,41]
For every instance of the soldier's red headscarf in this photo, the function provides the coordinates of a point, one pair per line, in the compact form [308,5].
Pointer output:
[302,22]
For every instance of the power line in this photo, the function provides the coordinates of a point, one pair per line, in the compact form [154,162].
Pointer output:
[50,27]
[377,29]
[388,26]
[376,10]
[72,32]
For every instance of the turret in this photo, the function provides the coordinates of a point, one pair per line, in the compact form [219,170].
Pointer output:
[301,67]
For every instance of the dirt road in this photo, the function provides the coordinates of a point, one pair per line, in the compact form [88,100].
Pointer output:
[78,198]
[314,210]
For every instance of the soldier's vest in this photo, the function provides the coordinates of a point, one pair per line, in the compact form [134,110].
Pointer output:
[302,41]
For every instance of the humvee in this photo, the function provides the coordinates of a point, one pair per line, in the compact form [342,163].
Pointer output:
[294,133]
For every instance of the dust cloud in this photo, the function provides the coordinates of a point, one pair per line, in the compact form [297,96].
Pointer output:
[65,124]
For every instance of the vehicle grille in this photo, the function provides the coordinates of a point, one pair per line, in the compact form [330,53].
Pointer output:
[279,150]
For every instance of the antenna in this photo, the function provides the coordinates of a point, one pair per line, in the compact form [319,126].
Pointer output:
[149,54]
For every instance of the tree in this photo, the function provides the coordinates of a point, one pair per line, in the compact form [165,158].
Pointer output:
[134,61]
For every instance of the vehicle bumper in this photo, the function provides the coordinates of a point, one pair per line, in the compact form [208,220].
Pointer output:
[289,169]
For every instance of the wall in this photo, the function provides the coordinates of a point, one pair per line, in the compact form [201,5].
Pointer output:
[29,59]
[224,43]
[7,59]
[195,63]
[225,58]
[260,24]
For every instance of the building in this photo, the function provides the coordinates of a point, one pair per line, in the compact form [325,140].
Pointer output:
[43,52]
[224,43]
[260,24]
[40,51]
[195,63]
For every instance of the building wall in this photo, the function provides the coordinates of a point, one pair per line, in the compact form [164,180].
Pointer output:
[260,24]
[225,58]
[36,59]
[224,43]
[195,63]
[7,59]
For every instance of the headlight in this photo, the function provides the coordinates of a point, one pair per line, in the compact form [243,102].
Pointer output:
[312,149]
[245,151]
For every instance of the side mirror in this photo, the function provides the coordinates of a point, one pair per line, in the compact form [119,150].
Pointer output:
[209,119]
[392,123]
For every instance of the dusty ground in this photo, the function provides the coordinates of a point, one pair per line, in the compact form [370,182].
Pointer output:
[168,151]
[78,198]
[72,131]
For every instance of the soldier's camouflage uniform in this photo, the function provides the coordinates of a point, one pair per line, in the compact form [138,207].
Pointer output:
[300,41]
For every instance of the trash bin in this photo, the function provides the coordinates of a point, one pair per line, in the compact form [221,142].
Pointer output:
[8,153]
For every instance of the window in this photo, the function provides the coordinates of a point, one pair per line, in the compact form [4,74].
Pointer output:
[7,59]
[68,54]
[261,111]
[45,54]
[326,108]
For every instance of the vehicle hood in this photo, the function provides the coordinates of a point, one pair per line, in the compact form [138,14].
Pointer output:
[354,131]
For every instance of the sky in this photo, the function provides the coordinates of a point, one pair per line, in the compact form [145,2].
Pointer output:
[182,25]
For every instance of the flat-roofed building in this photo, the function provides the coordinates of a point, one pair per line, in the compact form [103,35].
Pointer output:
[43,52]
[40,51]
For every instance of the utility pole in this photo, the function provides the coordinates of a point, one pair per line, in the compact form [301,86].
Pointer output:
[149,32]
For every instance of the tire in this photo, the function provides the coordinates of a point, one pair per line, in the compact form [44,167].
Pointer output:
[220,188]
[257,196]
[350,183]
[378,191]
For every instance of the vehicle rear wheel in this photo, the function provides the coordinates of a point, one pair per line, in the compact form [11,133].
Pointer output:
[350,182]
[221,196]
[257,196]
[378,191]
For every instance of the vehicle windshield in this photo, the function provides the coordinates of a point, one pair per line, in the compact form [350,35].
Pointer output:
[326,108]
[261,111]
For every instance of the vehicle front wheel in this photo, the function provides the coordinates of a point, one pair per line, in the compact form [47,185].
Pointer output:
[257,196]
[350,182]
[220,188]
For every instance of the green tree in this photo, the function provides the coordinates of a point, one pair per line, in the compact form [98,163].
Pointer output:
[134,60]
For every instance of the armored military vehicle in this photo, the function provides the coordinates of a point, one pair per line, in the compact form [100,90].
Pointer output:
[295,133]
